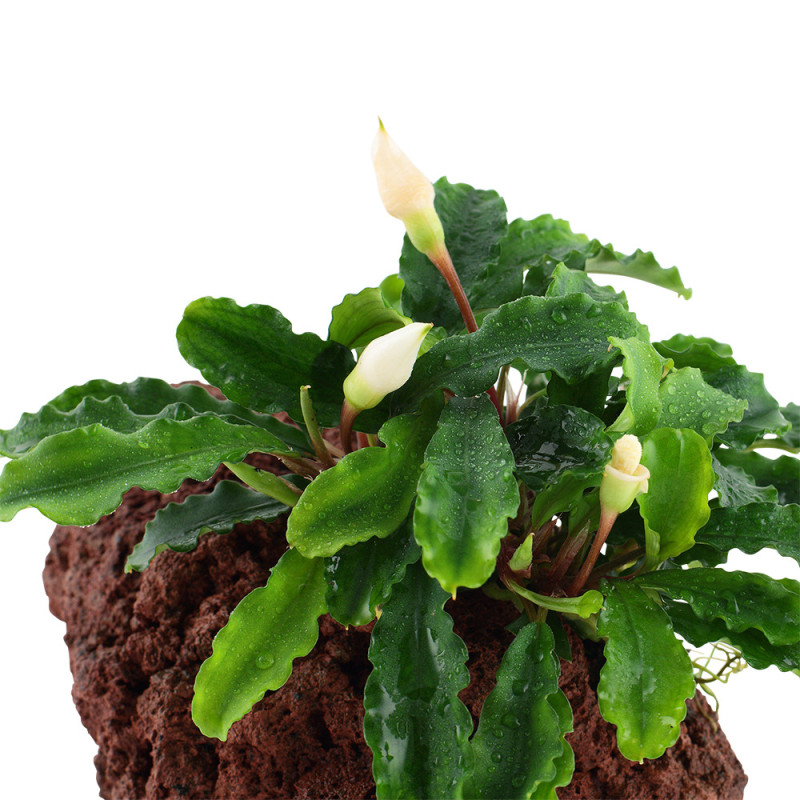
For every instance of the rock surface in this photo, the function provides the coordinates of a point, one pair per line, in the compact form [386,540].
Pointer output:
[136,642]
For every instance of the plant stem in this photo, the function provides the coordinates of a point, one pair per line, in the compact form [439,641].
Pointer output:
[314,433]
[606,523]
[569,549]
[346,420]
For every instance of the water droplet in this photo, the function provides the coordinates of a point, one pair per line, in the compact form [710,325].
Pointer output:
[497,758]
[558,316]
[673,408]
[510,721]
[265,661]
[672,389]
[518,687]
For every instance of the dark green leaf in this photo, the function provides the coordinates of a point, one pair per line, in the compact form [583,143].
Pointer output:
[368,493]
[253,653]
[560,440]
[675,505]
[742,600]
[76,477]
[414,722]
[360,577]
[763,415]
[687,401]
[252,354]
[519,735]
[362,317]
[589,394]
[127,407]
[179,526]
[647,677]
[736,488]
[474,222]
[568,335]
[791,439]
[569,281]
[754,646]
[465,495]
[703,353]
[783,473]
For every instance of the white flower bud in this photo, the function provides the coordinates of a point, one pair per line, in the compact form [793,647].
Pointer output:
[624,477]
[385,365]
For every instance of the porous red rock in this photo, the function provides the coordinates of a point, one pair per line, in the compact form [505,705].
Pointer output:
[136,642]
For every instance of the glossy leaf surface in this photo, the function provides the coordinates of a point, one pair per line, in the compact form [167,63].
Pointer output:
[465,495]
[705,354]
[565,761]
[360,577]
[735,487]
[584,605]
[783,473]
[568,281]
[741,599]
[642,366]
[362,317]
[179,526]
[254,652]
[675,505]
[519,734]
[76,477]
[474,222]
[254,357]
[414,722]
[647,676]
[368,493]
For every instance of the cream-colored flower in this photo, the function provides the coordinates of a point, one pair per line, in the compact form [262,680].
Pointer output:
[624,476]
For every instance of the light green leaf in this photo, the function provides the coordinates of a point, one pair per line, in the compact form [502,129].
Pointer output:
[362,317]
[368,493]
[675,505]
[582,606]
[253,653]
[565,762]
[76,477]
[179,526]
[414,722]
[520,735]
[647,676]
[465,495]
[643,367]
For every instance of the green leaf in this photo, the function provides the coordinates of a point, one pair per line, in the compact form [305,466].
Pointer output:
[179,526]
[791,439]
[589,394]
[560,440]
[76,477]
[569,281]
[360,577]
[414,722]
[368,493]
[687,401]
[643,367]
[751,528]
[783,473]
[465,494]
[742,600]
[763,414]
[253,653]
[568,335]
[647,676]
[565,762]
[392,290]
[546,240]
[582,606]
[252,354]
[474,222]
[703,353]
[127,407]
[736,488]
[754,646]
[519,735]
[362,317]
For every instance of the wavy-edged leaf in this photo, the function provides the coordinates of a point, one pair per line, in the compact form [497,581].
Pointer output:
[583,606]
[589,394]
[559,440]
[360,577]
[474,222]
[762,416]
[368,493]
[565,762]
[362,317]
[791,439]
[754,646]
[675,505]
[76,477]
[546,241]
[741,599]
[568,335]
[781,473]
[465,495]
[704,353]
[519,734]
[253,653]
[414,722]
[569,281]
[127,407]
[253,356]
[647,676]
[751,528]
[179,526]
[687,401]
[735,487]
[643,367]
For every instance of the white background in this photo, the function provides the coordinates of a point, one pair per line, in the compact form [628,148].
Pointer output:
[155,152]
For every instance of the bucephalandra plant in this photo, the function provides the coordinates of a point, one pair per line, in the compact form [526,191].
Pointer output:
[504,424]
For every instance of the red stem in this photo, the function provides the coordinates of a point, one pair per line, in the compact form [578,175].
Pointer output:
[606,523]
